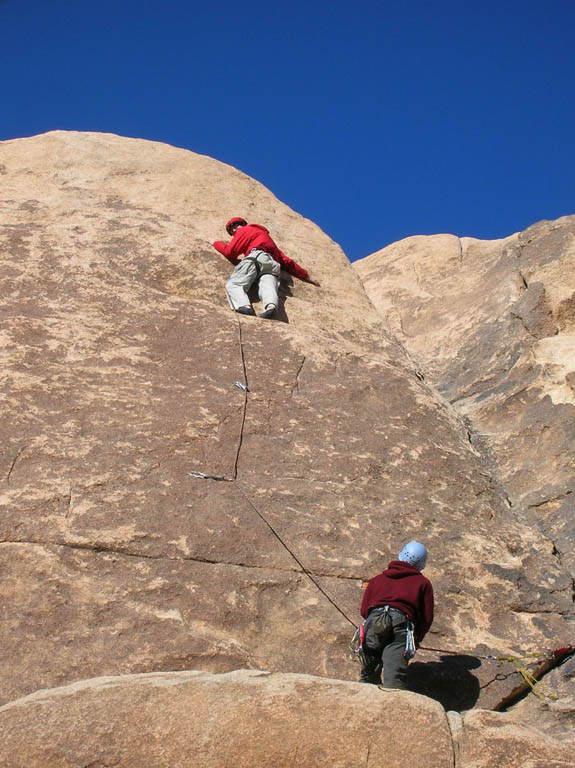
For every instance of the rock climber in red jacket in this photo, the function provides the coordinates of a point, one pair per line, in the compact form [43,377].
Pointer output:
[256,257]
[403,593]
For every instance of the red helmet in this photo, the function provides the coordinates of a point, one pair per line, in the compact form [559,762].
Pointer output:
[235,220]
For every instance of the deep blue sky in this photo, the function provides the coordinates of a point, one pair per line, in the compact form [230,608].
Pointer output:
[378,120]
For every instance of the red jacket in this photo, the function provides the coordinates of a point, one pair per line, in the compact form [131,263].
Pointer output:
[256,236]
[404,587]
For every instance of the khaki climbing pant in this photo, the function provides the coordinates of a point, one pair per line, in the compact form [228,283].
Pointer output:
[257,265]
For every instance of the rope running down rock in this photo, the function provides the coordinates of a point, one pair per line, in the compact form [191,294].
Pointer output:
[207,476]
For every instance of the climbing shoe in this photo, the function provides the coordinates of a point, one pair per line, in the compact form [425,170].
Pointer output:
[269,312]
[245,310]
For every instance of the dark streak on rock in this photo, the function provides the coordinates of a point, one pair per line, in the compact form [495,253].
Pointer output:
[14,460]
[299,370]
[550,500]
[107,549]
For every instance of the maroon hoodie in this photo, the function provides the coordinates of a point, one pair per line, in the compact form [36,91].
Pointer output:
[256,236]
[404,587]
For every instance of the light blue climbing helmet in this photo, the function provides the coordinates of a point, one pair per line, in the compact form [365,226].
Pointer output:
[415,554]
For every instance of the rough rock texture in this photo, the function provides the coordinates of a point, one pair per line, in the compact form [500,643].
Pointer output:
[492,325]
[488,739]
[119,356]
[246,719]
[252,719]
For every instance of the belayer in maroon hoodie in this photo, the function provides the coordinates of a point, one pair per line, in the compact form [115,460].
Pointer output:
[407,596]
[256,258]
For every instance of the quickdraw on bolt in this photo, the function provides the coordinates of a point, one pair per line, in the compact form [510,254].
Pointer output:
[206,476]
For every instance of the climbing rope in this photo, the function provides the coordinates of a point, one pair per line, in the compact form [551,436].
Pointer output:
[536,655]
[536,686]
[356,642]
[295,557]
[245,390]
[243,386]
[532,682]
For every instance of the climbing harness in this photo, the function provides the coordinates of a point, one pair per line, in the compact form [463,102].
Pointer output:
[257,265]
[385,633]
[253,256]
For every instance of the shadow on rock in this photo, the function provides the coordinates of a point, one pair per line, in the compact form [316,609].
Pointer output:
[284,290]
[448,681]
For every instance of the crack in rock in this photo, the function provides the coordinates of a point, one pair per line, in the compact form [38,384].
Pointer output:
[550,500]
[19,452]
[298,373]
[107,549]
[455,729]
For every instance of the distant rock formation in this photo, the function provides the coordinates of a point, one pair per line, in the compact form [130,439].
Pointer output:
[119,355]
[492,325]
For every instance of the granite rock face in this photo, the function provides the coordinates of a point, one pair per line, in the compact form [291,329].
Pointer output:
[492,326]
[485,739]
[120,356]
[254,719]
[245,719]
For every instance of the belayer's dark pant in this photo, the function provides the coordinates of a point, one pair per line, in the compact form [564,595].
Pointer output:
[388,656]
